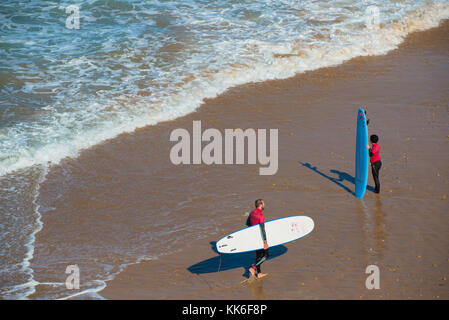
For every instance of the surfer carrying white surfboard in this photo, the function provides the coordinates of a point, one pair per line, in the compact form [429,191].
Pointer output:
[257,217]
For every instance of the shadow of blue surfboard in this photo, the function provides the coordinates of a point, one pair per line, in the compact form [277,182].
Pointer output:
[339,179]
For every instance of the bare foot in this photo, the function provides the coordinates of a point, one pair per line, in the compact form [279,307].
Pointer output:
[251,270]
[261,275]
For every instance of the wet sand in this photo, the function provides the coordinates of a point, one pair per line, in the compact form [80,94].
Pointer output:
[404,230]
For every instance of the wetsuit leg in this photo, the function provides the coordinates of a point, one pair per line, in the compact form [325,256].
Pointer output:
[375,168]
[261,256]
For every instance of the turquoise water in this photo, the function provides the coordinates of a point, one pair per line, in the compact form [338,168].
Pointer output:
[132,64]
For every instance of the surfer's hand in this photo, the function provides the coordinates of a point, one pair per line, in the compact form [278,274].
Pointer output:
[367,146]
[265,245]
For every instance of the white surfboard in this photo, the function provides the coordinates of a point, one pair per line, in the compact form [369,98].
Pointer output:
[278,231]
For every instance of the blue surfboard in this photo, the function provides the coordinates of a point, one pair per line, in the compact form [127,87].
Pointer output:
[361,155]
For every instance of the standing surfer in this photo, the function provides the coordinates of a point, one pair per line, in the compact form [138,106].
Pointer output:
[257,217]
[376,163]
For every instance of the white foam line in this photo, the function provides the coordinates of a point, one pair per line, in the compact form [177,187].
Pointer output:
[103,282]
[31,284]
[112,277]
[92,290]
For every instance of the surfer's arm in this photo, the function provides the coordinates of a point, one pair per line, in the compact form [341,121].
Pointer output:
[264,235]
[370,150]
[374,149]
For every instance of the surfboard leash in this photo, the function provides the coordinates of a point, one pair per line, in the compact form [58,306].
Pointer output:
[219,265]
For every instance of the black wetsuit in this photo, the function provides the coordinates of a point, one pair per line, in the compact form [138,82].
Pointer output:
[376,164]
[256,217]
[262,254]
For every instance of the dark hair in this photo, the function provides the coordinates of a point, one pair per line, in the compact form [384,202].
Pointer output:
[374,138]
[258,202]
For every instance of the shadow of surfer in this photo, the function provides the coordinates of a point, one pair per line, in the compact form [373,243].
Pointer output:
[342,177]
[231,261]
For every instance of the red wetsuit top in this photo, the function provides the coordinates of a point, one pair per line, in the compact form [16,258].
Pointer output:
[374,153]
[256,217]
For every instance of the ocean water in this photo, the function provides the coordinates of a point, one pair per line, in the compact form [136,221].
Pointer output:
[135,63]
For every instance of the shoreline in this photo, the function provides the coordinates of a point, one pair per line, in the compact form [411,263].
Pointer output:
[142,272]
[314,178]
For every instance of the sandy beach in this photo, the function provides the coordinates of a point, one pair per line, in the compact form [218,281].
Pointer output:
[127,187]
